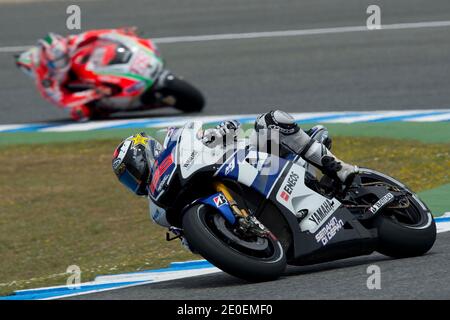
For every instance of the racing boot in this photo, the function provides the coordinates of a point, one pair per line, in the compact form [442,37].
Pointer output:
[299,142]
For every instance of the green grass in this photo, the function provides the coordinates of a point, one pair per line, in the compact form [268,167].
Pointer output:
[437,199]
[62,205]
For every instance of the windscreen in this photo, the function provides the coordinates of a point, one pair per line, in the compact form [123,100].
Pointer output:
[110,53]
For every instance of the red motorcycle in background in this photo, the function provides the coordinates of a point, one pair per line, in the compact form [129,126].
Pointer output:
[126,72]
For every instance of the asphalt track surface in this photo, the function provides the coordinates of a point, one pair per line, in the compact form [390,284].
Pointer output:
[386,69]
[424,277]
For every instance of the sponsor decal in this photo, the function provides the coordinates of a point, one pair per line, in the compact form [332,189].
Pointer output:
[138,86]
[284,196]
[190,160]
[283,130]
[139,139]
[140,64]
[220,200]
[162,183]
[288,186]
[160,169]
[322,212]
[329,231]
[230,167]
[121,154]
[381,203]
[110,79]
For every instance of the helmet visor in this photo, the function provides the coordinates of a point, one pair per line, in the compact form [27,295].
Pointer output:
[129,180]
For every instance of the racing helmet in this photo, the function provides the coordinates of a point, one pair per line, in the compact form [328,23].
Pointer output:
[133,161]
[55,51]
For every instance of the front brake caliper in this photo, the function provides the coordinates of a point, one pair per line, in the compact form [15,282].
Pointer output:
[251,225]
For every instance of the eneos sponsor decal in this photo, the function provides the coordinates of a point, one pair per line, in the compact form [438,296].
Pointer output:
[288,186]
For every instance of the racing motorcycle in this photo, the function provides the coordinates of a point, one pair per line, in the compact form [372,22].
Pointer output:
[251,213]
[133,70]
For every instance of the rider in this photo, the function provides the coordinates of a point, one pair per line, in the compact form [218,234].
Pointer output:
[52,61]
[134,159]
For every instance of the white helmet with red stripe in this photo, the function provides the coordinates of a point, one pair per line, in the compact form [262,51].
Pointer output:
[55,52]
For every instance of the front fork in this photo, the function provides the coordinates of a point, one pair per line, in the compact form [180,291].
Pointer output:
[246,223]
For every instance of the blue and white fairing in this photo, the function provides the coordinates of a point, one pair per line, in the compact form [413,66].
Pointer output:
[239,161]
[257,170]
[281,180]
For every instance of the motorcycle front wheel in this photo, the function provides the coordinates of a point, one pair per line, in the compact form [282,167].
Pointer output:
[250,258]
[182,95]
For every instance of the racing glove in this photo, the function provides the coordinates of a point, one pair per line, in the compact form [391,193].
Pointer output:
[225,133]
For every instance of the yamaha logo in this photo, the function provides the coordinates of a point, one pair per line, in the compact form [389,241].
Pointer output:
[324,210]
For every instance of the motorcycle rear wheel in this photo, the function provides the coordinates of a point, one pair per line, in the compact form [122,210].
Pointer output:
[260,259]
[404,232]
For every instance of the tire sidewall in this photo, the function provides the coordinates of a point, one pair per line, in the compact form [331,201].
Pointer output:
[188,98]
[224,257]
[397,240]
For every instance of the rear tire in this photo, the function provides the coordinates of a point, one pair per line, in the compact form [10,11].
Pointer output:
[404,232]
[203,236]
[398,241]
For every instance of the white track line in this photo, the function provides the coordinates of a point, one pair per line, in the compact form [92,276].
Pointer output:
[275,34]
[297,33]
[145,278]
[435,118]
[155,277]
[13,49]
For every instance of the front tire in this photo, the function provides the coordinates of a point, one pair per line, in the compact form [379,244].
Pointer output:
[202,225]
[186,97]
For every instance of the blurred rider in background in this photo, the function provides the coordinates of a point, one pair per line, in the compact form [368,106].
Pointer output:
[51,61]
